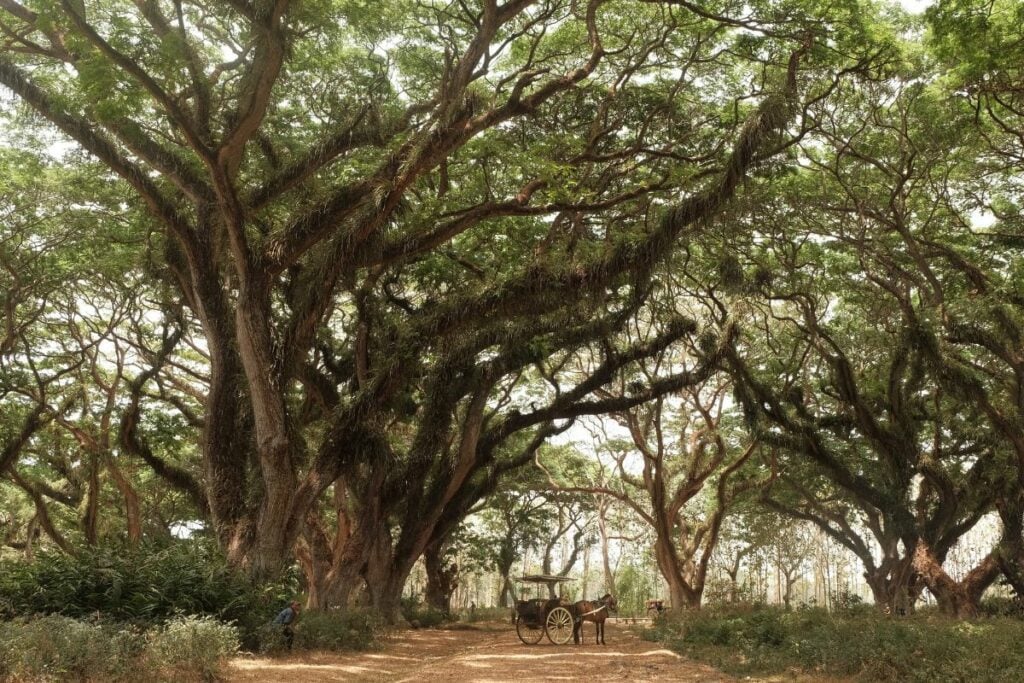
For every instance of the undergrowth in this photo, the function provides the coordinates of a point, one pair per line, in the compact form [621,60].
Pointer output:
[859,643]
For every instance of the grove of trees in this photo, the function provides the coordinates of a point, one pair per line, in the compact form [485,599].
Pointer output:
[338,283]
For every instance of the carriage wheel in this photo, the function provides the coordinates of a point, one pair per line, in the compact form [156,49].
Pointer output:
[653,613]
[559,625]
[529,635]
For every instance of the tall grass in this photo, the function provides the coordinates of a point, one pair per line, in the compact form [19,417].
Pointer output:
[59,648]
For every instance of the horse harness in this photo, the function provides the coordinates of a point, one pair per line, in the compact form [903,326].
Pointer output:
[603,606]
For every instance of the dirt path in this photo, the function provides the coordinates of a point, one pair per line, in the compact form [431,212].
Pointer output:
[490,653]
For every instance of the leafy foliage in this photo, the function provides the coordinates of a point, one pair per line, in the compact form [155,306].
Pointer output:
[147,585]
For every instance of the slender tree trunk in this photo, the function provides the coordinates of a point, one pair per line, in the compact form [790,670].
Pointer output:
[602,526]
[788,581]
[586,573]
[505,595]
[91,517]
[1011,546]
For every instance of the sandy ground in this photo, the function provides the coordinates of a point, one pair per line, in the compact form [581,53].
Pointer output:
[489,653]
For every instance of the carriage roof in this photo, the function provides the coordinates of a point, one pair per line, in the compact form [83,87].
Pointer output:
[543,578]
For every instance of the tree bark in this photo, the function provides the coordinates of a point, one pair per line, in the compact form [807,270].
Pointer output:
[442,578]
[132,510]
[957,599]
[681,593]
[1011,545]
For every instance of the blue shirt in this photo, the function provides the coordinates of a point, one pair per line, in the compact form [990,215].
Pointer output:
[285,616]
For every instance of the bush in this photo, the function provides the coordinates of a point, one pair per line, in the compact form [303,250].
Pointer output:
[59,648]
[426,617]
[270,639]
[1003,607]
[330,630]
[146,585]
[421,615]
[857,643]
[191,648]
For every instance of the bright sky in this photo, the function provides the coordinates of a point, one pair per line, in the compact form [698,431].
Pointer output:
[915,6]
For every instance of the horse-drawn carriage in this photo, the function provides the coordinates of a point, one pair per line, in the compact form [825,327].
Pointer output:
[538,616]
[655,608]
[558,618]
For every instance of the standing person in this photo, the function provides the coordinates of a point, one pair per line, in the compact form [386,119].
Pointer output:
[286,618]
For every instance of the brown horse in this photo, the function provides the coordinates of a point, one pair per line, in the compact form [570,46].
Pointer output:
[593,610]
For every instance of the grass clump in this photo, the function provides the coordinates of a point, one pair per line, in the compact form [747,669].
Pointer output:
[191,648]
[481,614]
[862,644]
[330,630]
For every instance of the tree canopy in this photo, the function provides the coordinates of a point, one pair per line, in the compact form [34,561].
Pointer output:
[320,279]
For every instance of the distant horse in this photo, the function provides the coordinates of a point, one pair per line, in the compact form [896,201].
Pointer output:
[595,611]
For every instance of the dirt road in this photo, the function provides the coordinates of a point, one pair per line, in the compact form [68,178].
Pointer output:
[489,653]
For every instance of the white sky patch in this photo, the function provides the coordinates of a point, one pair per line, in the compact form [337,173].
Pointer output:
[916,6]
[982,219]
[186,529]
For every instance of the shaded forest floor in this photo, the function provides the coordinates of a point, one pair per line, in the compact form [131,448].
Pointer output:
[485,652]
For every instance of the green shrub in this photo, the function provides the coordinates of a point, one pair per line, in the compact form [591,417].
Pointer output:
[420,615]
[426,617]
[146,585]
[191,648]
[856,643]
[1003,607]
[335,630]
[270,639]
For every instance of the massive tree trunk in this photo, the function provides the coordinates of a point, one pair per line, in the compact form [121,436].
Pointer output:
[506,596]
[681,593]
[442,577]
[894,587]
[955,598]
[334,564]
[385,580]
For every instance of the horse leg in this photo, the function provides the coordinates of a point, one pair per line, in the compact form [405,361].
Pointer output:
[600,628]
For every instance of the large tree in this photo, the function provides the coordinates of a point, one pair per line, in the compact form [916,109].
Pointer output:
[375,212]
[855,364]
